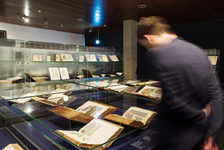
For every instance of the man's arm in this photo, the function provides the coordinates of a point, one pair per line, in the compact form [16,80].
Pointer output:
[216,102]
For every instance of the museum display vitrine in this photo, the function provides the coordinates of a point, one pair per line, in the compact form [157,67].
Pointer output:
[56,96]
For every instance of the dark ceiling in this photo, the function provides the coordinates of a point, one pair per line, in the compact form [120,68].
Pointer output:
[78,16]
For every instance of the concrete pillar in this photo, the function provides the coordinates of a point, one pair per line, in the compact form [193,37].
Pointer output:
[129,49]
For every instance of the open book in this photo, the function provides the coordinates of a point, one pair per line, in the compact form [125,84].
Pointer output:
[102,58]
[37,57]
[30,78]
[151,92]
[213,59]
[85,113]
[134,116]
[117,87]
[25,98]
[113,58]
[66,57]
[13,147]
[58,97]
[93,134]
[91,57]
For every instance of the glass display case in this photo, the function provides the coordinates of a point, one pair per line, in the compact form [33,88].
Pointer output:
[35,61]
[33,125]
[102,112]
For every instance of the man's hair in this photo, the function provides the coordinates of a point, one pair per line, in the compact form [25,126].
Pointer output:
[153,25]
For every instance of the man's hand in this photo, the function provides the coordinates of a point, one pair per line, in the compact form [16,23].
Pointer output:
[209,145]
[207,110]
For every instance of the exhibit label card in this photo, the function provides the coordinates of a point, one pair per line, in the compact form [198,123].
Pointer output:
[54,73]
[64,73]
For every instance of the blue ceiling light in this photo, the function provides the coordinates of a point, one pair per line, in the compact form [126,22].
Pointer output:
[97,13]
[97,42]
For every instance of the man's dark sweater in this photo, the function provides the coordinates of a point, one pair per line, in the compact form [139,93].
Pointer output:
[188,83]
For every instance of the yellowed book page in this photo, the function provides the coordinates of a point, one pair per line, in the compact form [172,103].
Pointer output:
[66,57]
[151,91]
[138,114]
[13,147]
[118,88]
[37,57]
[103,58]
[54,73]
[90,57]
[113,58]
[99,131]
[64,73]
[93,109]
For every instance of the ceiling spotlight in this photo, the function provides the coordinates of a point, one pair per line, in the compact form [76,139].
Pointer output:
[141,6]
[105,25]
[39,11]
[26,19]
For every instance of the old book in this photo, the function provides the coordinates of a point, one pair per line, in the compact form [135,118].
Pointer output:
[94,133]
[13,79]
[37,57]
[13,147]
[5,82]
[151,92]
[119,73]
[66,57]
[54,74]
[58,97]
[25,98]
[31,78]
[131,82]
[132,89]
[40,79]
[150,82]
[213,59]
[113,58]
[80,76]
[64,73]
[134,117]
[117,88]
[102,58]
[91,57]
[57,57]
[86,112]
